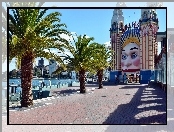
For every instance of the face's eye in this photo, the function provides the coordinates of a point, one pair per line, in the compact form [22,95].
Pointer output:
[133,55]
[124,57]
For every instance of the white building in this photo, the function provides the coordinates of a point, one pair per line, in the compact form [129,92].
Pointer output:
[52,66]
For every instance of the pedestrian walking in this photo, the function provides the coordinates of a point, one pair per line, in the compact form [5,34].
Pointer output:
[116,79]
[43,84]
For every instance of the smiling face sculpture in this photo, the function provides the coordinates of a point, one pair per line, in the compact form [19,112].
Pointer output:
[130,54]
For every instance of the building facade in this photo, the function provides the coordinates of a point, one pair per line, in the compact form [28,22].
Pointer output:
[135,45]
[161,63]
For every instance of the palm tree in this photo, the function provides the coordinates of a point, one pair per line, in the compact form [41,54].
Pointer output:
[4,22]
[80,59]
[31,31]
[101,59]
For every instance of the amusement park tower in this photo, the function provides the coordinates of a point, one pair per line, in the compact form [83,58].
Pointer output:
[115,34]
[142,36]
[148,44]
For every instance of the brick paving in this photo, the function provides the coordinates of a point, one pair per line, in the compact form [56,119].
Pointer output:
[121,104]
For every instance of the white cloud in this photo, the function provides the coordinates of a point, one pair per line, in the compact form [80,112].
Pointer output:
[73,34]
[52,50]
[108,44]
[67,37]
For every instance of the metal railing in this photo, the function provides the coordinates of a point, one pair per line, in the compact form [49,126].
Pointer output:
[38,92]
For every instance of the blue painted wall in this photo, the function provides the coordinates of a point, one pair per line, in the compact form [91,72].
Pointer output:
[152,75]
[145,76]
[112,75]
[155,73]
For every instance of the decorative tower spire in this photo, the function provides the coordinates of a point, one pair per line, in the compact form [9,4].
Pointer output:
[117,16]
[148,29]
[149,20]
[117,28]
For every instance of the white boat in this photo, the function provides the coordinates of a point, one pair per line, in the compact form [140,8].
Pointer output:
[40,78]
[37,78]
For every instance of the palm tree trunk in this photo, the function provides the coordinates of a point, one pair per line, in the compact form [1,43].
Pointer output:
[100,78]
[82,81]
[26,80]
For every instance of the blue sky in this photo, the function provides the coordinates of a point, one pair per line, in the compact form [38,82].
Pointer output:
[96,23]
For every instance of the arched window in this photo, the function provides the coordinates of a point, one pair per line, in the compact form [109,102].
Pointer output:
[121,24]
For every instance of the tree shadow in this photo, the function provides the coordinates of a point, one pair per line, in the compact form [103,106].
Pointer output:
[87,85]
[71,90]
[63,92]
[106,83]
[147,106]
[130,87]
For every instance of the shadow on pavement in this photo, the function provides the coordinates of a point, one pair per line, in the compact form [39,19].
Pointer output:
[105,83]
[130,87]
[67,91]
[147,106]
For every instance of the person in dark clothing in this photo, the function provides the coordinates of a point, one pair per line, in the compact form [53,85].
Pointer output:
[116,79]
[42,84]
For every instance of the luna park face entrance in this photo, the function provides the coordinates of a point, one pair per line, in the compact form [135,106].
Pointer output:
[131,77]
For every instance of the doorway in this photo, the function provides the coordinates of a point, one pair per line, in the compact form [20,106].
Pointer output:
[132,77]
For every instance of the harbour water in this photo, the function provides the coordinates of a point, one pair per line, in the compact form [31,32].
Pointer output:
[37,82]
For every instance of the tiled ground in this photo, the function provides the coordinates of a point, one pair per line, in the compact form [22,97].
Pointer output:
[121,104]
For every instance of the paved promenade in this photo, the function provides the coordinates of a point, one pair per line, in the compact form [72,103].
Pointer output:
[121,104]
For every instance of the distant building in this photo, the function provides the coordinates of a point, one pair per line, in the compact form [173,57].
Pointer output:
[52,66]
[73,74]
[41,62]
[47,67]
